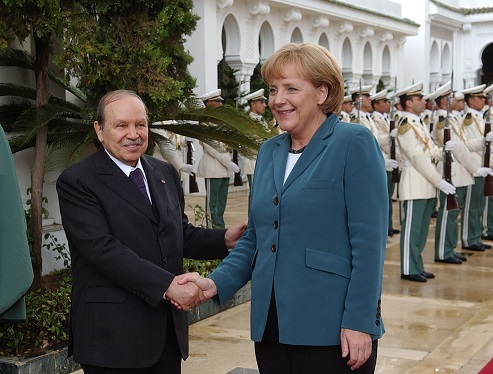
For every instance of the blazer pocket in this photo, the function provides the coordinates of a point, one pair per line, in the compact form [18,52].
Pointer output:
[106,295]
[328,262]
[318,184]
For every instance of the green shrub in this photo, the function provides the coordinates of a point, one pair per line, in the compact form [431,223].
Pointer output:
[203,267]
[46,326]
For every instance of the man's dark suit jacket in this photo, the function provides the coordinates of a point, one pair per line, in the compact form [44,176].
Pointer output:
[124,256]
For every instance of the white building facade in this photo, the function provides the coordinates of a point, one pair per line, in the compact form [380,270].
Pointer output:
[407,40]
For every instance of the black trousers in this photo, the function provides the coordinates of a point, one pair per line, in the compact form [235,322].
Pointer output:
[168,363]
[276,358]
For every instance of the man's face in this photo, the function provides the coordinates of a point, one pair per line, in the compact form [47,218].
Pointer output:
[258,106]
[366,103]
[125,133]
[347,106]
[415,105]
[382,106]
[477,102]
[213,104]
[460,105]
[429,104]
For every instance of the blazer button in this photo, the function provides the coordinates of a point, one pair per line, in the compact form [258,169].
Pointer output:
[276,224]
[276,201]
[377,322]
[378,315]
[273,248]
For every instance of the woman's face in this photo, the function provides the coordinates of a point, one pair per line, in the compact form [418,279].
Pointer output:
[295,102]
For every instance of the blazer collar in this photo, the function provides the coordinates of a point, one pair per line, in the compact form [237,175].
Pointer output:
[117,181]
[316,145]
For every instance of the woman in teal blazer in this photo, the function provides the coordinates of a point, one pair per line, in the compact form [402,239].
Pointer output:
[315,243]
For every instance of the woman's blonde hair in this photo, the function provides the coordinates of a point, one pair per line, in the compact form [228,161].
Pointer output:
[314,63]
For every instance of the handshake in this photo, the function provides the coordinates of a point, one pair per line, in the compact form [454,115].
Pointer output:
[187,291]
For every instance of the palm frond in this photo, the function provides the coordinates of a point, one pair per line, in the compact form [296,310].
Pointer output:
[22,59]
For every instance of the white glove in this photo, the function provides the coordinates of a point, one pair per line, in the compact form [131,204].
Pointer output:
[489,136]
[393,133]
[484,172]
[233,167]
[450,145]
[446,187]
[189,169]
[390,164]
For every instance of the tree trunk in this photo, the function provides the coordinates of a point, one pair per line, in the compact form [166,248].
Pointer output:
[42,50]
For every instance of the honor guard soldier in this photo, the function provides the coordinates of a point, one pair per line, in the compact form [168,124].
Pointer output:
[361,98]
[398,109]
[458,109]
[257,103]
[215,166]
[171,150]
[464,166]
[347,107]
[488,212]
[427,115]
[473,126]
[381,107]
[419,180]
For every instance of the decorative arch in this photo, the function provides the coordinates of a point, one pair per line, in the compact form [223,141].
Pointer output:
[324,41]
[296,36]
[487,60]
[446,63]
[386,67]
[231,39]
[347,61]
[367,64]
[435,74]
[266,41]
[434,58]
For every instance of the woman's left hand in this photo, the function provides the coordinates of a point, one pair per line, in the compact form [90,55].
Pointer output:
[357,345]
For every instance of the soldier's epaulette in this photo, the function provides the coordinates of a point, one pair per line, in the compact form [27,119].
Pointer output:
[441,122]
[404,126]
[353,119]
[467,119]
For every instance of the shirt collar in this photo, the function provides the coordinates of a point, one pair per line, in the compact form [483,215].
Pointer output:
[124,167]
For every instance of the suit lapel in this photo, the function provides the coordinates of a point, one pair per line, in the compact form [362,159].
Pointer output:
[117,181]
[316,145]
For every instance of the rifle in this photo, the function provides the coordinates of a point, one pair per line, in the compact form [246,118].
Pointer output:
[395,172]
[452,200]
[237,181]
[192,181]
[488,181]
[432,115]
[360,101]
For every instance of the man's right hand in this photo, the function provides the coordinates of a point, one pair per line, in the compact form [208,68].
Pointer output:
[185,295]
[206,285]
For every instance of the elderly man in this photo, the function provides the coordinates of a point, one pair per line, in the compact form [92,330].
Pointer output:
[123,214]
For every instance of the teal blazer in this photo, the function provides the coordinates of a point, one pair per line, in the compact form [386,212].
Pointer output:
[318,239]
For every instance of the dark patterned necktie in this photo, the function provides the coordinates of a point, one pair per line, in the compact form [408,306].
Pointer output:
[137,177]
